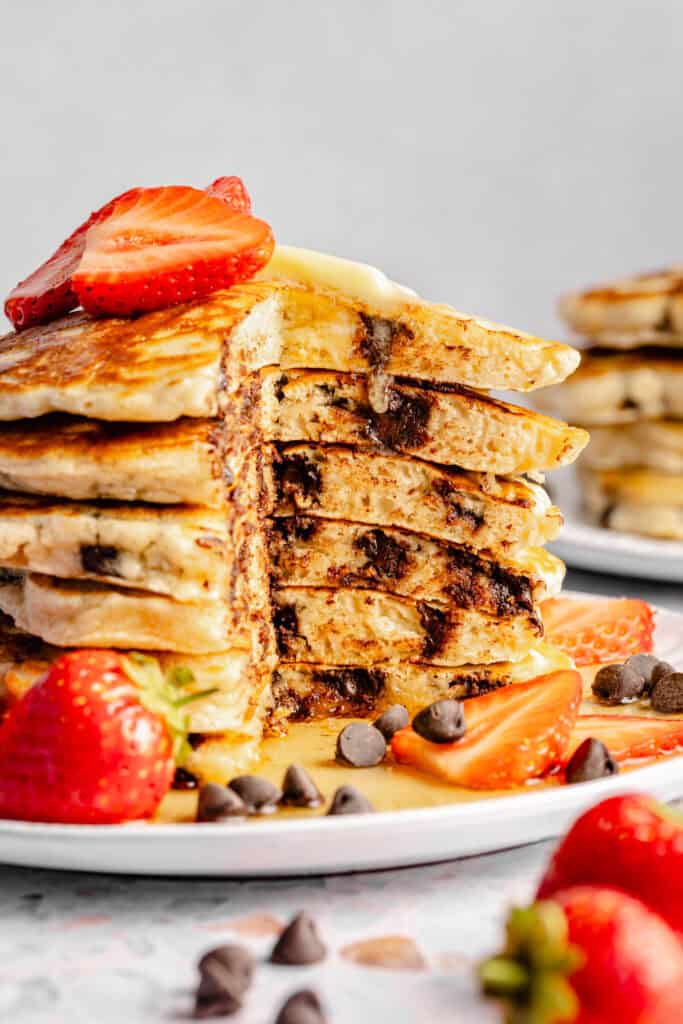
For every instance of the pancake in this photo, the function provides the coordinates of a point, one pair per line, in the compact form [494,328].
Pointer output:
[478,510]
[642,305]
[635,501]
[187,360]
[650,444]
[308,692]
[365,626]
[620,387]
[311,552]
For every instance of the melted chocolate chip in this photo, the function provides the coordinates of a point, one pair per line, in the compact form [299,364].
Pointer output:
[456,511]
[219,803]
[301,1008]
[441,722]
[591,760]
[349,800]
[100,559]
[261,796]
[299,789]
[360,745]
[297,477]
[295,527]
[667,694]
[390,721]
[299,944]
[361,686]
[477,582]
[184,779]
[386,557]
[226,974]
[618,684]
[286,625]
[377,337]
[434,621]
[10,576]
[405,422]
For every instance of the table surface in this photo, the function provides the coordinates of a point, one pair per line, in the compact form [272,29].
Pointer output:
[99,949]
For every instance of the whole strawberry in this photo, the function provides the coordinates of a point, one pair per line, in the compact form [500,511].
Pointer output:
[92,743]
[630,842]
[591,955]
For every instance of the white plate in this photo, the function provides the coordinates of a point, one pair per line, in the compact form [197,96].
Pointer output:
[584,546]
[332,845]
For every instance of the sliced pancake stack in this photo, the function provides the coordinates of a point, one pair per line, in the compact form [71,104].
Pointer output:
[299,490]
[629,392]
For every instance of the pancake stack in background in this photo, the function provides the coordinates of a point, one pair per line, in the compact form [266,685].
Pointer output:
[297,494]
[629,392]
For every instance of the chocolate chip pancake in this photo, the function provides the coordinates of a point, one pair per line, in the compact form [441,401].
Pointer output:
[635,500]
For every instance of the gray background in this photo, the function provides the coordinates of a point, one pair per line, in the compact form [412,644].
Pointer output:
[488,153]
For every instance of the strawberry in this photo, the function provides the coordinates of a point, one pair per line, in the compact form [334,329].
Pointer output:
[512,735]
[595,630]
[160,246]
[630,842]
[591,955]
[92,743]
[629,737]
[232,191]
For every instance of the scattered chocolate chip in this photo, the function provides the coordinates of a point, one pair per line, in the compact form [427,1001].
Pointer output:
[360,745]
[299,943]
[441,722]
[301,1008]
[261,796]
[225,975]
[349,800]
[667,694]
[618,684]
[390,721]
[661,670]
[184,779]
[218,803]
[591,760]
[644,665]
[299,789]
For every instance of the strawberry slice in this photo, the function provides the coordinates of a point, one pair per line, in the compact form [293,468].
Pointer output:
[233,191]
[512,735]
[595,631]
[161,246]
[628,737]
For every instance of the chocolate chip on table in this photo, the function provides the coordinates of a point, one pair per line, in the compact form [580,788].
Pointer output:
[299,789]
[261,796]
[441,722]
[361,745]
[390,721]
[618,684]
[301,1008]
[218,803]
[661,670]
[349,800]
[591,760]
[667,694]
[225,976]
[299,944]
[644,665]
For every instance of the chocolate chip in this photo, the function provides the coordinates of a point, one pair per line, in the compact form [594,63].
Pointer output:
[661,670]
[618,684]
[100,559]
[591,760]
[299,789]
[644,665]
[184,779]
[299,943]
[441,722]
[360,745]
[261,796]
[390,721]
[301,1008]
[218,803]
[667,694]
[349,800]
[225,975]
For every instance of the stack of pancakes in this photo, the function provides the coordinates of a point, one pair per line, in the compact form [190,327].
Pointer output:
[299,490]
[629,391]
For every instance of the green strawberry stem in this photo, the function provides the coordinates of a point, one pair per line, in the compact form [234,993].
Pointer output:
[530,976]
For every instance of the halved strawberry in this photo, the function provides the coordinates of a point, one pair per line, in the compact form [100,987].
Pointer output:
[593,631]
[512,735]
[628,737]
[233,191]
[161,246]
